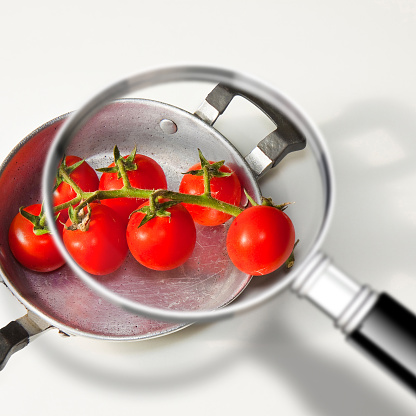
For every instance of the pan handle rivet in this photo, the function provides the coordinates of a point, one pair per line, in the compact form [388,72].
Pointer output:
[168,126]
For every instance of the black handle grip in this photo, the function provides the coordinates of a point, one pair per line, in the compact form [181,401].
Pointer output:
[388,335]
[13,337]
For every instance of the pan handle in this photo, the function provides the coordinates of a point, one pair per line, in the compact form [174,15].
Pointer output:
[274,147]
[375,323]
[17,334]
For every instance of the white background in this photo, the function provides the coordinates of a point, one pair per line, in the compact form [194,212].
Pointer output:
[351,66]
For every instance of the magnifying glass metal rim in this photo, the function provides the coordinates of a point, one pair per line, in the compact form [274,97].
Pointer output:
[190,72]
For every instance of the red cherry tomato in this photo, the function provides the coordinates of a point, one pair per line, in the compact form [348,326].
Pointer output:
[149,175]
[35,252]
[84,176]
[260,240]
[102,248]
[162,243]
[227,189]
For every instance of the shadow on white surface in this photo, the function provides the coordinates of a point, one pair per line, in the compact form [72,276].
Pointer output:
[323,382]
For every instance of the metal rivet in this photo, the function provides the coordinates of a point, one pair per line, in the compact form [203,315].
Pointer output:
[168,126]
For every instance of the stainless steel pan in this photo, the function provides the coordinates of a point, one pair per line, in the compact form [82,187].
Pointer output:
[171,136]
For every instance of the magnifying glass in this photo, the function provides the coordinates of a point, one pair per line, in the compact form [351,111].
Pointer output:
[208,286]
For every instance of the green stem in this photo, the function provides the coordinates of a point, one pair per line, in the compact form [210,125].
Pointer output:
[42,221]
[67,178]
[201,200]
[152,201]
[123,173]
[207,181]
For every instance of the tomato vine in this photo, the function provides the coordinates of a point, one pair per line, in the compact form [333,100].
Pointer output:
[150,222]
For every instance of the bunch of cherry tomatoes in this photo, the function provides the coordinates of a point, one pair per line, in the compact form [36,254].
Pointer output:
[159,232]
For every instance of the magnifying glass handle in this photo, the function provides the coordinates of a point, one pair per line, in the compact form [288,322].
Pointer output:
[375,323]
[388,335]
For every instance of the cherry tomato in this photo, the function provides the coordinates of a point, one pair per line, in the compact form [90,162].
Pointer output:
[149,175]
[35,252]
[260,240]
[84,176]
[102,248]
[162,243]
[227,189]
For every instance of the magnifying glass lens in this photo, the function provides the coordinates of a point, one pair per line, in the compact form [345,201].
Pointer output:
[135,238]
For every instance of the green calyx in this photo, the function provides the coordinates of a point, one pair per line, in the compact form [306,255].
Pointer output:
[208,171]
[64,168]
[80,219]
[291,260]
[128,163]
[268,202]
[212,169]
[38,221]
[155,209]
